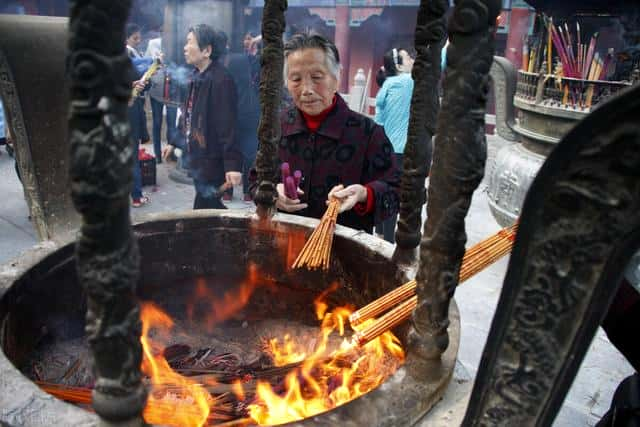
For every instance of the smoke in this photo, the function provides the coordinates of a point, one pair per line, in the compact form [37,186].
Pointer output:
[148,13]
[217,14]
[179,73]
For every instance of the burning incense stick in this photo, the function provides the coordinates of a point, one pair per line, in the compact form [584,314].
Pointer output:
[557,41]
[532,60]
[593,67]
[580,59]
[475,260]
[589,96]
[549,52]
[590,53]
[316,253]
[566,41]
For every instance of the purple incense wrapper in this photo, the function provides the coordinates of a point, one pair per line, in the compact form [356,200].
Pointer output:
[290,189]
[297,176]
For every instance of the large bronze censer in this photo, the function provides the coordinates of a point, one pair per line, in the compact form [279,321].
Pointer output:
[197,318]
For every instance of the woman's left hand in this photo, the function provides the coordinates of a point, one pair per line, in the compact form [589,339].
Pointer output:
[349,196]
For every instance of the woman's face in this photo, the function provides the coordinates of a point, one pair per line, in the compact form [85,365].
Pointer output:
[310,83]
[192,53]
[135,39]
[407,61]
[247,42]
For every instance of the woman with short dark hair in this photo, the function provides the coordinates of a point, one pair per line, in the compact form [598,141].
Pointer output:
[209,120]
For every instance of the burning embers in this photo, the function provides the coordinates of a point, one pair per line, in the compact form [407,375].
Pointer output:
[256,371]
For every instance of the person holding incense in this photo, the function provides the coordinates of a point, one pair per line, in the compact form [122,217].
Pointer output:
[340,153]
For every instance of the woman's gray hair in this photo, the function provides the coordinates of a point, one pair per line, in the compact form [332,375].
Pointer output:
[314,41]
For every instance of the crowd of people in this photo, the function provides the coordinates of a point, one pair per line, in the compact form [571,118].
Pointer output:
[340,153]
[214,125]
[213,122]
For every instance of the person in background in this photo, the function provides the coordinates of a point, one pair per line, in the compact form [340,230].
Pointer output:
[137,118]
[3,133]
[208,124]
[252,43]
[393,103]
[134,37]
[340,153]
[159,100]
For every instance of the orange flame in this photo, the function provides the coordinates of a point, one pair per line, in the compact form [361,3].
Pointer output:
[174,399]
[220,309]
[325,379]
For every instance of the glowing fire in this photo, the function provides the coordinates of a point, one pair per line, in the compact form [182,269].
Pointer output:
[174,399]
[334,372]
[218,309]
[325,379]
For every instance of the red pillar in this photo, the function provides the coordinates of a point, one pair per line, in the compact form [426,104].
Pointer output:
[518,30]
[343,17]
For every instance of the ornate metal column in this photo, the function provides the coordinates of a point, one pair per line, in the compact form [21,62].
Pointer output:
[458,165]
[429,38]
[578,229]
[101,173]
[270,97]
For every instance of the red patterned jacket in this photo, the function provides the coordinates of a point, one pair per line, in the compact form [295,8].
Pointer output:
[348,148]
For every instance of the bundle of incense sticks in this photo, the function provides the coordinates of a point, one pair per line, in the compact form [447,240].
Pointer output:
[71,394]
[579,60]
[476,259]
[146,76]
[82,395]
[316,253]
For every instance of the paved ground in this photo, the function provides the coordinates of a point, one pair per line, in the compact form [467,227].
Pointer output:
[601,371]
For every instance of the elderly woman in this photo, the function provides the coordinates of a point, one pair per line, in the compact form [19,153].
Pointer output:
[340,153]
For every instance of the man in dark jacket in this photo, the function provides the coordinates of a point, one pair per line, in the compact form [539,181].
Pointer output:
[340,153]
[209,120]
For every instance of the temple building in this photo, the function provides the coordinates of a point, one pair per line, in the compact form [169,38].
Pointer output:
[362,29]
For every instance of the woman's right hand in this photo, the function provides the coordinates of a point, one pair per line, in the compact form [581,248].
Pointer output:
[286,204]
[139,85]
